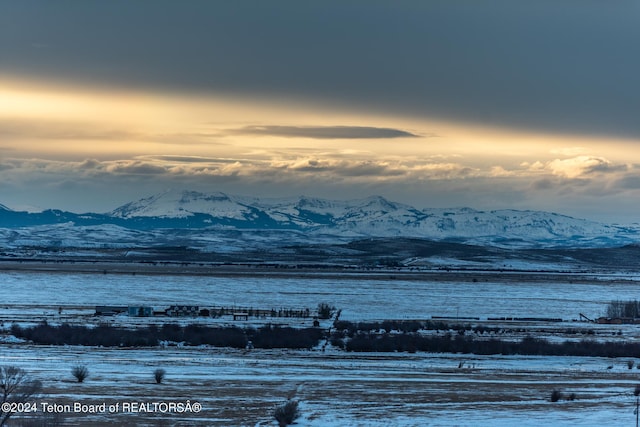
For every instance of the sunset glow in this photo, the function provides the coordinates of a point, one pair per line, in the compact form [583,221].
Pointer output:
[104,132]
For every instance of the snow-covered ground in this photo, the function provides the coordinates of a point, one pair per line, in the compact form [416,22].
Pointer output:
[376,299]
[334,388]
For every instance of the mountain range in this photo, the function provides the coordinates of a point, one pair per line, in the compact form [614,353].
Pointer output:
[188,217]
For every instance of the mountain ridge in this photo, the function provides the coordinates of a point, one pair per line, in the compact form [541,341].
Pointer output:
[373,216]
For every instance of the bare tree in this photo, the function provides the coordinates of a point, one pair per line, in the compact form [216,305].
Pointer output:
[80,372]
[15,387]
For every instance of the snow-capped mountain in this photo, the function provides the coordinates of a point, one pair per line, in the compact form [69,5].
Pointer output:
[204,213]
[172,204]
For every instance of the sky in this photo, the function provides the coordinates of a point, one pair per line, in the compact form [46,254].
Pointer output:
[493,104]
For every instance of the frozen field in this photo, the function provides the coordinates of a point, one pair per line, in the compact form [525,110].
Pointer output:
[359,299]
[333,387]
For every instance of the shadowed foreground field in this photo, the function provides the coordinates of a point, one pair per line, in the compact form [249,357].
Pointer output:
[238,387]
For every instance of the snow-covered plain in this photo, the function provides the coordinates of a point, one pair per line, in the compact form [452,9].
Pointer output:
[378,299]
[334,387]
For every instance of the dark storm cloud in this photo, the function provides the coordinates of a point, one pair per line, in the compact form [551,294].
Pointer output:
[326,132]
[545,65]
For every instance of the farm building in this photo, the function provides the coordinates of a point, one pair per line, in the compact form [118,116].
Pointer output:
[183,311]
[109,310]
[140,311]
[618,320]
[240,316]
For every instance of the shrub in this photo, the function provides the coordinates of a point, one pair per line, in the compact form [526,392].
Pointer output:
[325,311]
[16,330]
[159,374]
[270,336]
[80,372]
[337,341]
[286,413]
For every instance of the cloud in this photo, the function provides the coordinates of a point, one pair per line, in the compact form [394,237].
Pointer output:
[6,166]
[326,132]
[576,167]
[585,178]
[89,164]
[428,184]
[542,184]
[134,167]
[294,169]
[569,151]
[630,182]
[69,130]
[533,167]
[97,131]
[499,171]
[483,62]
[443,171]
[202,138]
[188,159]
[343,168]
[582,165]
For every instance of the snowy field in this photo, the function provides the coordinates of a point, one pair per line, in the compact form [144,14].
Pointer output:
[359,299]
[334,388]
